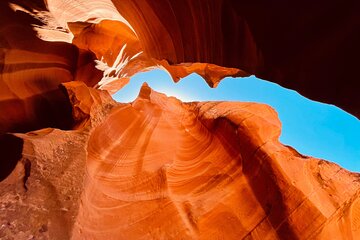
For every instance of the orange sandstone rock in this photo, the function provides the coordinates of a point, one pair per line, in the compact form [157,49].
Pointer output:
[77,165]
[158,168]
[31,71]
[294,45]
[161,169]
[113,40]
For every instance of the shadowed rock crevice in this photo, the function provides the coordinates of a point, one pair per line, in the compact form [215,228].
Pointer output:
[32,69]
[49,109]
[274,193]
[11,152]
[27,168]
[41,197]
[263,184]
[268,183]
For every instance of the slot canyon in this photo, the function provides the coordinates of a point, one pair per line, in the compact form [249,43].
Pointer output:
[76,164]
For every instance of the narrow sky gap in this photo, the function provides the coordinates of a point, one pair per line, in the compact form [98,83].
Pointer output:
[314,129]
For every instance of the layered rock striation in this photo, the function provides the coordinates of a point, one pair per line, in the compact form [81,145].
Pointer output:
[310,47]
[77,165]
[158,168]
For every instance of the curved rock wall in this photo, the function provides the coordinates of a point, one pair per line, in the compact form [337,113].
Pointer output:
[77,165]
[31,71]
[158,168]
[307,46]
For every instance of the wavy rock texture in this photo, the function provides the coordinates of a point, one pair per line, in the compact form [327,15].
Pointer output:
[158,168]
[31,71]
[77,165]
[293,44]
[43,171]
[303,45]
[110,40]
[161,169]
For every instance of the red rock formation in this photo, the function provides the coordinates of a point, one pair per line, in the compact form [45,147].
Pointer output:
[158,168]
[31,71]
[161,169]
[107,39]
[42,181]
[212,170]
[296,45]
[303,45]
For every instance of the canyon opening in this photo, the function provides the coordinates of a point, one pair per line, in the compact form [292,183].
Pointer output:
[141,119]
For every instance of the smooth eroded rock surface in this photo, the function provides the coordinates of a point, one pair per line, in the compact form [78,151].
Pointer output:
[307,46]
[158,168]
[77,165]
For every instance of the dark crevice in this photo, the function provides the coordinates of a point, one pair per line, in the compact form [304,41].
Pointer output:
[48,106]
[267,183]
[273,193]
[27,168]
[52,109]
[11,152]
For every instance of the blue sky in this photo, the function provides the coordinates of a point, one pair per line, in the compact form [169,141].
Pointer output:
[315,129]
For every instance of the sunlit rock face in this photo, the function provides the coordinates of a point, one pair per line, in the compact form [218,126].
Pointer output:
[158,168]
[162,169]
[77,165]
[294,44]
[31,71]
[303,45]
